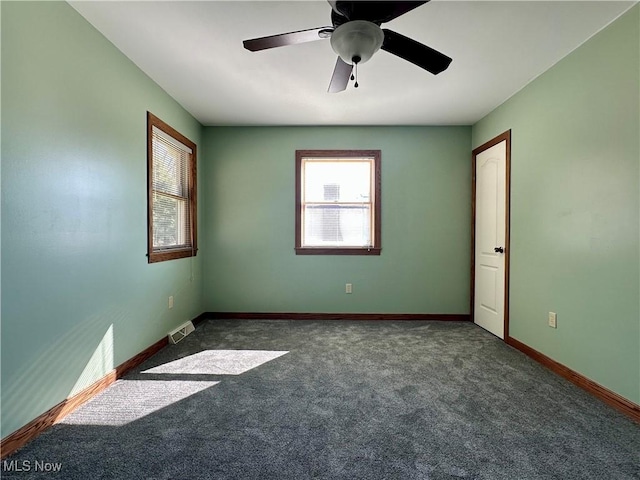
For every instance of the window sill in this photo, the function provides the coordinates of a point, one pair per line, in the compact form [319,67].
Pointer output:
[337,251]
[164,255]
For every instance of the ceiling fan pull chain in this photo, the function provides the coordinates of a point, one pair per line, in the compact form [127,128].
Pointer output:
[355,60]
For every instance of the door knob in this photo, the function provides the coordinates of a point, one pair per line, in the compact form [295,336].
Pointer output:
[498,250]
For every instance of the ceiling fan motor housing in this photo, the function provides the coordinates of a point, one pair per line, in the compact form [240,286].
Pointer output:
[357,39]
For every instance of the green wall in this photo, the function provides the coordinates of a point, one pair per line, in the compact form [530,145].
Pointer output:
[576,207]
[250,264]
[78,296]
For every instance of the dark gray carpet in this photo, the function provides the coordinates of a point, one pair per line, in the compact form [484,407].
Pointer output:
[350,400]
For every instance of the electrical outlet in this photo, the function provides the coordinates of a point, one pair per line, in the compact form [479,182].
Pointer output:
[171,301]
[553,317]
[348,288]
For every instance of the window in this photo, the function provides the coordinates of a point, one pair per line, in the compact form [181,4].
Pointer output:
[338,202]
[171,216]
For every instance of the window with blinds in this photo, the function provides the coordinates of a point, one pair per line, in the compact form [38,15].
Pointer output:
[171,189]
[338,202]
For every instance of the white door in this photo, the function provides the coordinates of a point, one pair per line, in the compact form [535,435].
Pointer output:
[490,236]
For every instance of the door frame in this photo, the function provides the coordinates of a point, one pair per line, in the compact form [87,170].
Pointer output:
[506,136]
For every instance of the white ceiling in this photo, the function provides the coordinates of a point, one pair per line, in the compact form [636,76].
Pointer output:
[193,50]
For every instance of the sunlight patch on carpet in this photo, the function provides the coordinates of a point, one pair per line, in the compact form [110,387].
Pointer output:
[130,400]
[218,362]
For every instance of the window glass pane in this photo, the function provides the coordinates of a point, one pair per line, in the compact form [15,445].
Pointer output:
[337,225]
[170,221]
[170,168]
[337,181]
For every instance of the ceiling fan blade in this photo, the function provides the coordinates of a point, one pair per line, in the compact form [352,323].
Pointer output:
[290,38]
[377,12]
[395,9]
[415,52]
[340,77]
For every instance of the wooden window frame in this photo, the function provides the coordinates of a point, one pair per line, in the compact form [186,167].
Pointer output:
[374,249]
[155,254]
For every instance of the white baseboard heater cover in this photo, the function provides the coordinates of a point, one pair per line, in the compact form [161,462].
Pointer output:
[182,331]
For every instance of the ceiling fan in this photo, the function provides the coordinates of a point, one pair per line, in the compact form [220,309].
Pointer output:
[356,35]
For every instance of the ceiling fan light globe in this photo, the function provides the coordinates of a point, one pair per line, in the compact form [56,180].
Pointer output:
[357,38]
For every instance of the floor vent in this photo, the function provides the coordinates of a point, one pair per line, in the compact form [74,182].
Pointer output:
[182,331]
